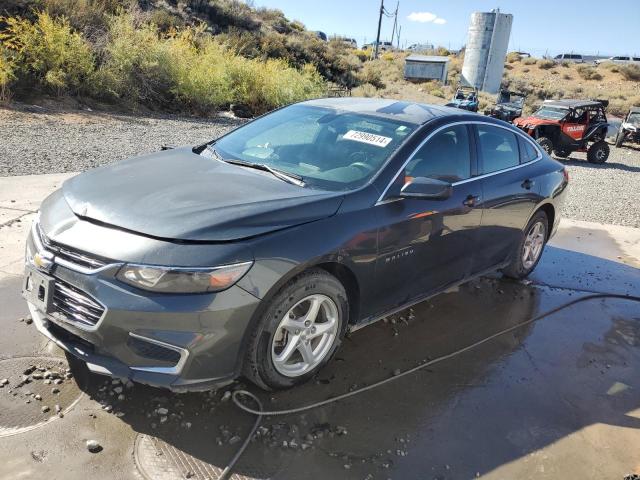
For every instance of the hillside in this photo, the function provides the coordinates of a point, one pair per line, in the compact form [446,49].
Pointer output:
[202,56]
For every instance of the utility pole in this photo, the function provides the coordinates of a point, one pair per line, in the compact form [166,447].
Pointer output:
[375,52]
[399,31]
[395,22]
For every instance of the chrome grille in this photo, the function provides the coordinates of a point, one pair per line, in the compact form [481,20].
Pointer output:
[73,256]
[75,305]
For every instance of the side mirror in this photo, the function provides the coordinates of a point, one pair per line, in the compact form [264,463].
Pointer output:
[426,189]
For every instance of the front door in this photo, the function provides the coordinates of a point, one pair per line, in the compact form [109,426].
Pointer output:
[425,245]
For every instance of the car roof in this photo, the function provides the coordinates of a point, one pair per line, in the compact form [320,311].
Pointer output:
[410,112]
[568,103]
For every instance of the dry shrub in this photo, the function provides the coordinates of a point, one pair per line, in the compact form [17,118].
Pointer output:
[546,64]
[630,72]
[588,73]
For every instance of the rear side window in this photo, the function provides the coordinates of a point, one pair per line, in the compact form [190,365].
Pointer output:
[498,148]
[446,156]
[528,152]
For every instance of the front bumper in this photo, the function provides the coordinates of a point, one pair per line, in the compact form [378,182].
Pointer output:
[182,342]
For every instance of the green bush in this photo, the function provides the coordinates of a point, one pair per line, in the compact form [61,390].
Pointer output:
[47,53]
[6,74]
[630,72]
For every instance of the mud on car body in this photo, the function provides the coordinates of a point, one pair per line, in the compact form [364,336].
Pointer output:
[254,254]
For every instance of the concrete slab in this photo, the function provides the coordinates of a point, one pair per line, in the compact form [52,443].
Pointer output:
[27,191]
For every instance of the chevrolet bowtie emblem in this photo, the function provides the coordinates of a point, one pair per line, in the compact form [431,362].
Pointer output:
[43,260]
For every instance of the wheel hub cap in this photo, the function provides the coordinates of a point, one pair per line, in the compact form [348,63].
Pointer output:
[533,244]
[305,335]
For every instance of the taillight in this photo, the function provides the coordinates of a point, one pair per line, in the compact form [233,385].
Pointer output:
[565,174]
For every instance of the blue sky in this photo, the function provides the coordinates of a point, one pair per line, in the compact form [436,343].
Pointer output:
[557,26]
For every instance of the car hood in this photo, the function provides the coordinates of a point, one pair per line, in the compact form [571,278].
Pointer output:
[523,121]
[178,194]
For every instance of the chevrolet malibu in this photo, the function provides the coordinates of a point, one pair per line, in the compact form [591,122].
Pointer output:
[255,253]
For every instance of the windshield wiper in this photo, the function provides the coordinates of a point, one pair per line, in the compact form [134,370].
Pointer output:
[281,174]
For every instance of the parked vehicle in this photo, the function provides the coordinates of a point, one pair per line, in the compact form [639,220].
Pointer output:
[569,57]
[465,98]
[508,106]
[420,47]
[566,126]
[349,42]
[629,130]
[620,60]
[254,254]
[320,35]
[384,46]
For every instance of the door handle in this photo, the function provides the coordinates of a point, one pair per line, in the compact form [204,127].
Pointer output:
[528,183]
[471,200]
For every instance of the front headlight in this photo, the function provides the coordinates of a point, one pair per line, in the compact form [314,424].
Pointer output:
[182,280]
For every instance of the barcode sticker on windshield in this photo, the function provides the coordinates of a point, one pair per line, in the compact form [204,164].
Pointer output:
[370,138]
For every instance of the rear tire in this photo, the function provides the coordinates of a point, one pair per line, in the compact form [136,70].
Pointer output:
[266,363]
[530,249]
[562,153]
[620,138]
[546,144]
[598,153]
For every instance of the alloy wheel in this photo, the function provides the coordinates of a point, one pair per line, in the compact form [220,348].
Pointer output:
[533,244]
[305,335]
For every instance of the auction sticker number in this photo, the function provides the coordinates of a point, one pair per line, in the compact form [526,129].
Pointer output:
[370,138]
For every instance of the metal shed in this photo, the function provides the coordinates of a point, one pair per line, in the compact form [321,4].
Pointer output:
[426,67]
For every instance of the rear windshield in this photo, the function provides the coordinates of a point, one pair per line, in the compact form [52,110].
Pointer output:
[551,113]
[329,149]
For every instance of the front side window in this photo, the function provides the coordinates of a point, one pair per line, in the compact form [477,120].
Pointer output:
[498,148]
[329,149]
[446,156]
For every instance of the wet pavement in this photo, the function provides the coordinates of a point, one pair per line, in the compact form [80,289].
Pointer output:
[559,397]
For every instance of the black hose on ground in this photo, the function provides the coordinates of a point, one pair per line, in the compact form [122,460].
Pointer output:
[261,413]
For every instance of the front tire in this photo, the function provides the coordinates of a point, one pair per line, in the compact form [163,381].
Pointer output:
[530,248]
[620,138]
[546,144]
[598,153]
[300,329]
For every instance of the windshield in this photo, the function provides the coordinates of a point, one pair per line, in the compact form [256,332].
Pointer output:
[551,113]
[634,118]
[328,149]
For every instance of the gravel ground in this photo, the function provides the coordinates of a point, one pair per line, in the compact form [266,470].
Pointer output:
[50,142]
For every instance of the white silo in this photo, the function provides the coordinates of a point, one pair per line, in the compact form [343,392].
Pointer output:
[486,50]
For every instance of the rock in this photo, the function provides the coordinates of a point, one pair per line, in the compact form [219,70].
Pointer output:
[37,397]
[4,381]
[235,439]
[118,390]
[93,446]
[28,320]
[55,390]
[397,372]
[162,411]
[226,396]
[163,419]
[121,397]
[108,408]
[37,376]
[58,381]
[45,409]
[47,382]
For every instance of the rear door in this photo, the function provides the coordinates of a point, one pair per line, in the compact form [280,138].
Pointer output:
[425,245]
[510,189]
